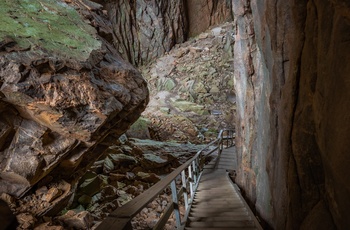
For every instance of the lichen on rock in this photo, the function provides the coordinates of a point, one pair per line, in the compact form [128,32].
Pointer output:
[63,90]
[50,25]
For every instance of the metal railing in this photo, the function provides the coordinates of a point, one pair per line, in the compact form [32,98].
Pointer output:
[188,173]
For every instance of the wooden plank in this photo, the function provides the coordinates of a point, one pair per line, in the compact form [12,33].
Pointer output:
[217,202]
[229,224]
[211,198]
[112,223]
[218,228]
[257,224]
[218,207]
[229,213]
[217,212]
[221,218]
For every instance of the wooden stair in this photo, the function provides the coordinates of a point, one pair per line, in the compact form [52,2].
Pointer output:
[218,203]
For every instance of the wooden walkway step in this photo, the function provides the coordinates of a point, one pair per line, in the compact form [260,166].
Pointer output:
[217,202]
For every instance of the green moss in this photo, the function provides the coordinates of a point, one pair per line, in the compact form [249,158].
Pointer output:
[51,25]
[141,124]
[186,106]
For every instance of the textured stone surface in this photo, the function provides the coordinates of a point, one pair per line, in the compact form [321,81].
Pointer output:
[205,13]
[191,88]
[291,66]
[58,100]
[144,30]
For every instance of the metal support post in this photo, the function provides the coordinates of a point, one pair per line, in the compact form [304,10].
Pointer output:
[176,204]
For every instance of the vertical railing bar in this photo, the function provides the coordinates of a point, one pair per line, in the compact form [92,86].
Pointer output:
[197,171]
[194,168]
[184,188]
[191,180]
[176,204]
[199,166]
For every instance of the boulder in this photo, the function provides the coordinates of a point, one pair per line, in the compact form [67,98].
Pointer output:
[92,185]
[81,220]
[153,161]
[52,194]
[139,129]
[123,158]
[148,177]
[64,89]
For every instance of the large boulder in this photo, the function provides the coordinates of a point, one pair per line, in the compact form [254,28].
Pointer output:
[63,90]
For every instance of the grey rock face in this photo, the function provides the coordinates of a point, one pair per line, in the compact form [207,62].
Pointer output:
[292,124]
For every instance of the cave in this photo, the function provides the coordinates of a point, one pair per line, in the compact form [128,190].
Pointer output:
[76,75]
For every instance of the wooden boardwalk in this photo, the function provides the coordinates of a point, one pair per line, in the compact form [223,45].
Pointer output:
[218,203]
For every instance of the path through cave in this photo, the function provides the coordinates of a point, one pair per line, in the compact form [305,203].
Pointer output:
[76,74]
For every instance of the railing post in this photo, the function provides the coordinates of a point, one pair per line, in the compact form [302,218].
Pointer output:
[191,179]
[194,171]
[176,204]
[227,137]
[184,189]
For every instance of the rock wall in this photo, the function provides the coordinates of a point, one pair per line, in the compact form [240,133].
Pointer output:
[203,14]
[292,123]
[145,30]
[63,90]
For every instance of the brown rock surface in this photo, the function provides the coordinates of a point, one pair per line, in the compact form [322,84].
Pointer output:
[144,30]
[291,71]
[56,102]
[205,13]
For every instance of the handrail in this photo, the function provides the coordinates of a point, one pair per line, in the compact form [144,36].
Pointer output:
[121,217]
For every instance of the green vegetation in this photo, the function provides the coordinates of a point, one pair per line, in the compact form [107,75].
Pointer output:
[186,106]
[50,25]
[141,125]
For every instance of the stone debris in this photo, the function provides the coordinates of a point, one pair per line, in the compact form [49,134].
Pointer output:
[81,220]
[26,220]
[191,89]
[101,191]
[52,194]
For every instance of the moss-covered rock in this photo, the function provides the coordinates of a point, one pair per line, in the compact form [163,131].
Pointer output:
[139,129]
[187,106]
[51,25]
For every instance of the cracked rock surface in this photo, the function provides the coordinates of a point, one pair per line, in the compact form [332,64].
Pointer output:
[59,100]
